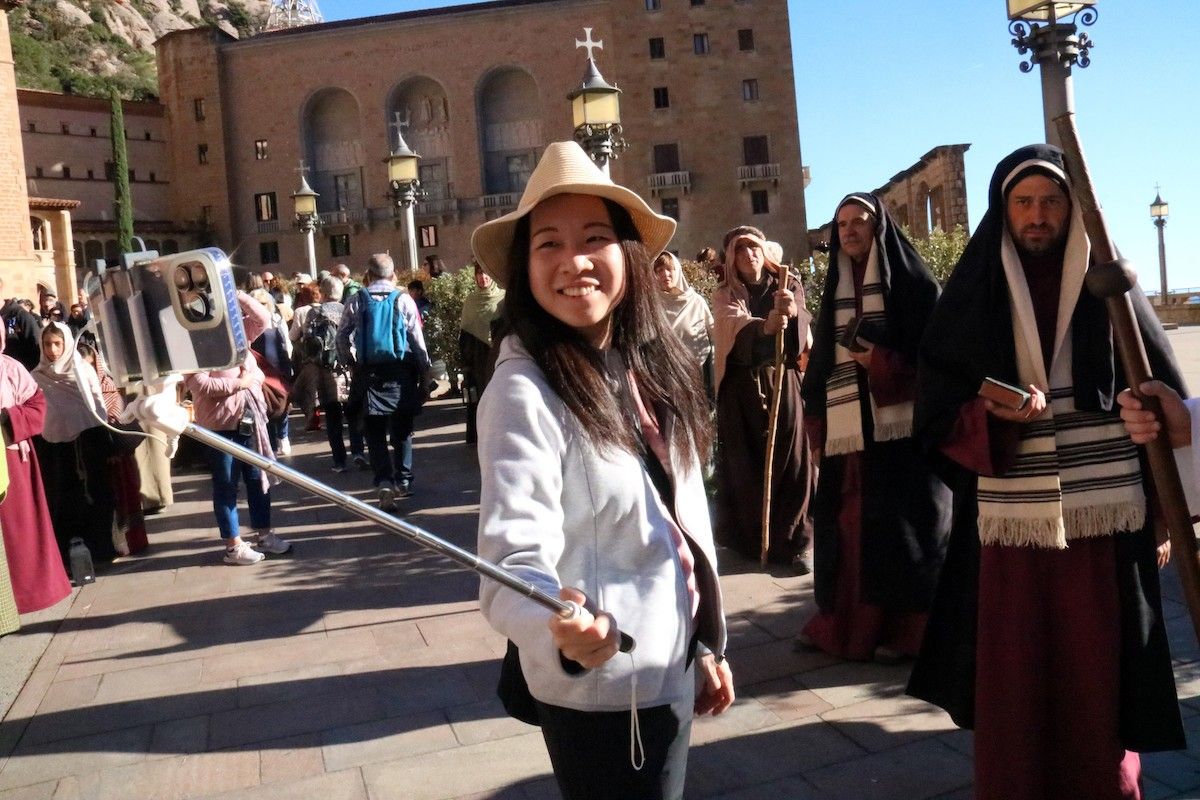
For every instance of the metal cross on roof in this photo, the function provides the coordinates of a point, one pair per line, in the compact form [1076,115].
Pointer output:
[302,169]
[589,43]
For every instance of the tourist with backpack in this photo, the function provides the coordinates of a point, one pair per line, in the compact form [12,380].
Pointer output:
[380,338]
[314,345]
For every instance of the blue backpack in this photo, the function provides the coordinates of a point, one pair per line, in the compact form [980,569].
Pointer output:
[382,335]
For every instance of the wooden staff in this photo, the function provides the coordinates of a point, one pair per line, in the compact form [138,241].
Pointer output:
[1111,278]
[773,426]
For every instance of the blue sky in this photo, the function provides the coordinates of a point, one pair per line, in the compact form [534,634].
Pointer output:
[880,82]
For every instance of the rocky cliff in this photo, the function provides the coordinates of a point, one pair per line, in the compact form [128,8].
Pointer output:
[88,46]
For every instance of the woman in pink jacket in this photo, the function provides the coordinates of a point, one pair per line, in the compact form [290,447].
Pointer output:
[230,402]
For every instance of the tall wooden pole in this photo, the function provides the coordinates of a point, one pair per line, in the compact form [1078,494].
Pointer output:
[772,427]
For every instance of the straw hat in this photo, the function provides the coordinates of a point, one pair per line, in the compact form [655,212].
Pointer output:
[564,169]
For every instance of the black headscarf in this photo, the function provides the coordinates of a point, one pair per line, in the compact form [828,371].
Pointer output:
[970,335]
[909,292]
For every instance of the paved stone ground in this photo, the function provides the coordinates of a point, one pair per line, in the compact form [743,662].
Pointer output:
[359,667]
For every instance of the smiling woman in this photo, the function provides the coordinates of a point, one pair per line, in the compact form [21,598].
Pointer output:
[590,435]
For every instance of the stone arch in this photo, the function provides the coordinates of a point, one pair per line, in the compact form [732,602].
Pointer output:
[93,250]
[423,102]
[112,251]
[926,214]
[333,149]
[510,128]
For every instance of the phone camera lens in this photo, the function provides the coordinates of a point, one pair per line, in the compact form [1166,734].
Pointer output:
[196,307]
[183,279]
[199,276]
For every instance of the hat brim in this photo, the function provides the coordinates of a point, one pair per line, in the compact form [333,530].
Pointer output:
[492,241]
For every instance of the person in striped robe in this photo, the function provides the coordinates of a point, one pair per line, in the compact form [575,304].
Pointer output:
[1047,634]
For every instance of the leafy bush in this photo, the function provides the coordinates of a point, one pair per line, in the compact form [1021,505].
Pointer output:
[447,294]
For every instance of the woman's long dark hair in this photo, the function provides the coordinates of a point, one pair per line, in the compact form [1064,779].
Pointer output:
[666,375]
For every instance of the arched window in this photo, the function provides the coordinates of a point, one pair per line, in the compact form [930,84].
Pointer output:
[334,150]
[93,250]
[510,129]
[152,244]
[169,246]
[41,233]
[112,251]
[422,102]
[77,246]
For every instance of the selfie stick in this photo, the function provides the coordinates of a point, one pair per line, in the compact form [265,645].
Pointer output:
[565,609]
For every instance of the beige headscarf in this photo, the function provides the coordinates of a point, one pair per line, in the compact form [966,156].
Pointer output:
[688,313]
[72,391]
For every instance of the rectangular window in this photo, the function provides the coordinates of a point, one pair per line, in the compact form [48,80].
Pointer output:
[202,153]
[66,172]
[750,89]
[697,2]
[198,106]
[265,209]
[37,172]
[662,97]
[670,207]
[66,128]
[132,175]
[653,5]
[31,127]
[110,171]
[666,157]
[519,169]
[427,235]
[268,253]
[260,150]
[152,177]
[206,216]
[91,175]
[658,48]
[146,135]
[93,131]
[700,43]
[339,245]
[758,202]
[755,150]
[746,39]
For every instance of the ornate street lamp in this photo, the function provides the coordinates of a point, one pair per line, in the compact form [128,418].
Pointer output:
[405,184]
[1053,45]
[308,220]
[596,109]
[1158,212]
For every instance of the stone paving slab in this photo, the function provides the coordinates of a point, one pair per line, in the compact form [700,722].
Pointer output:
[361,668]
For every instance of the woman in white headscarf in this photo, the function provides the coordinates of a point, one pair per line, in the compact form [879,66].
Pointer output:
[687,312]
[74,447]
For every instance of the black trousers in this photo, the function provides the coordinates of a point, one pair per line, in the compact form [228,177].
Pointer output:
[590,753]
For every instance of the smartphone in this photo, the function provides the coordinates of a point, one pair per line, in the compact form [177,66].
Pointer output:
[1004,394]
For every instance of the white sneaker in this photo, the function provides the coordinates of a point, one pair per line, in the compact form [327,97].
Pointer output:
[268,542]
[285,447]
[242,555]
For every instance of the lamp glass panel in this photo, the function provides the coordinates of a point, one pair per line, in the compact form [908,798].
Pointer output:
[602,108]
[1158,210]
[306,204]
[402,168]
[577,111]
[1040,9]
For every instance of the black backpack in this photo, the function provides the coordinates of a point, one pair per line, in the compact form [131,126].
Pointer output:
[318,345]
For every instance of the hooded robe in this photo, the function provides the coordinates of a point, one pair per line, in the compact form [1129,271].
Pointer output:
[970,337]
[881,517]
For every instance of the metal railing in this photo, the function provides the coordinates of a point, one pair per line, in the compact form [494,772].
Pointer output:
[345,217]
[506,200]
[758,172]
[660,181]
[441,205]
[268,226]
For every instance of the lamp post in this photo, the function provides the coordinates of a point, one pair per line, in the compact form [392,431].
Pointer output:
[596,109]
[1158,211]
[304,200]
[1054,46]
[404,181]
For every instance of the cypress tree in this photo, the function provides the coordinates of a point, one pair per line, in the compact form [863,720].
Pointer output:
[122,201]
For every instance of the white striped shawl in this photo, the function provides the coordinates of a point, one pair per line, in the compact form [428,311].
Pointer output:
[843,410]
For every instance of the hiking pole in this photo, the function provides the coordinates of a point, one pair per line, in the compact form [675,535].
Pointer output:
[565,609]
[772,429]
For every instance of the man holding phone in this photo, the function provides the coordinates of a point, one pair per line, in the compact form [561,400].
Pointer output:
[1047,634]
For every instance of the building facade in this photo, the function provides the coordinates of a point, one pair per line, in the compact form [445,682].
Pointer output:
[19,267]
[68,154]
[708,108]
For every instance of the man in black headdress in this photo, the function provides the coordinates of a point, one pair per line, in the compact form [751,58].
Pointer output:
[1046,635]
[881,517]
